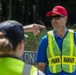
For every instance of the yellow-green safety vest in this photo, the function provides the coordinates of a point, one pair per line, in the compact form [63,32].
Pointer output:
[12,66]
[65,60]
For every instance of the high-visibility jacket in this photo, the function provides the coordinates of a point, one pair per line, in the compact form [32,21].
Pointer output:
[65,60]
[12,66]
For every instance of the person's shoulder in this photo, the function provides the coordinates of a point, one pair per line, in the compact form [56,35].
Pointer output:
[44,41]
[44,37]
[75,34]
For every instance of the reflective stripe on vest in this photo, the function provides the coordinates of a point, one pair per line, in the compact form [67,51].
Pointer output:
[58,61]
[30,70]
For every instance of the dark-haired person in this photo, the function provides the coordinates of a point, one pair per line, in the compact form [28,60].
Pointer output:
[11,49]
[57,51]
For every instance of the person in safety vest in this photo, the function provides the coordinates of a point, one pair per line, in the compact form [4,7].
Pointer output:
[57,51]
[11,49]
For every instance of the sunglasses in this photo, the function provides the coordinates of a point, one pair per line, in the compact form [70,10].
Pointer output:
[57,17]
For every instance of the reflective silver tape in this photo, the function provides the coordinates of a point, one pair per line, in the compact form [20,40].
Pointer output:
[26,69]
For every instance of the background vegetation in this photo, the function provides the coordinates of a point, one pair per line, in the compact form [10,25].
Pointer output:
[30,11]
[32,41]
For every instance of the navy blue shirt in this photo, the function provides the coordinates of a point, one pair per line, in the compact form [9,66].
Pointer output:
[41,54]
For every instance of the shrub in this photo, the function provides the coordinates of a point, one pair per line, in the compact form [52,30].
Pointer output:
[32,42]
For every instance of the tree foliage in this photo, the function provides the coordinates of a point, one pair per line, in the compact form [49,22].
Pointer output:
[29,11]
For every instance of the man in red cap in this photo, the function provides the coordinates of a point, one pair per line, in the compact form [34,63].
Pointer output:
[56,53]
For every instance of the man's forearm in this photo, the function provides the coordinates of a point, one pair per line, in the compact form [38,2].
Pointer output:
[27,28]
[35,28]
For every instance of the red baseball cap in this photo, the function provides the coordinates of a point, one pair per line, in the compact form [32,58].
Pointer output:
[59,10]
